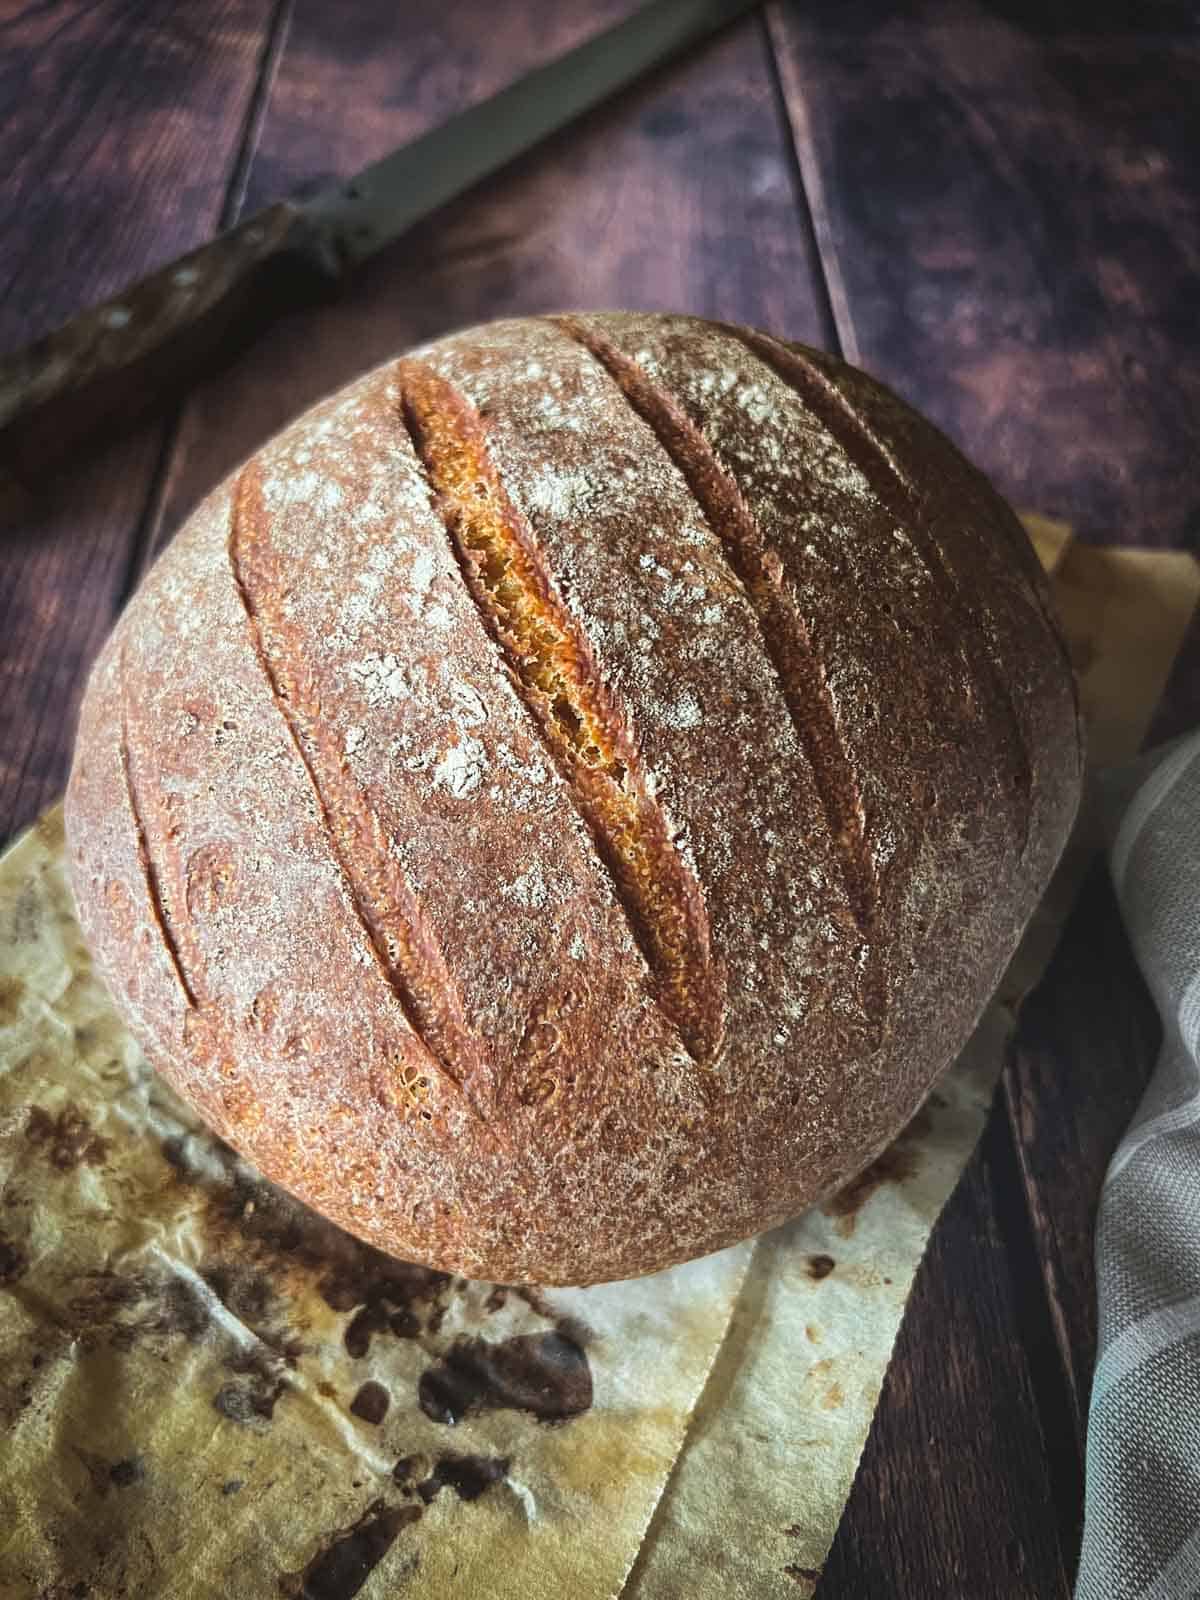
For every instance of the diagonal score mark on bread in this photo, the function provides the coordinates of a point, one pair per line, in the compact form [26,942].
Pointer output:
[188,981]
[757,566]
[585,730]
[386,908]
[894,490]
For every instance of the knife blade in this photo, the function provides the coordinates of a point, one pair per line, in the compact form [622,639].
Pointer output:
[112,363]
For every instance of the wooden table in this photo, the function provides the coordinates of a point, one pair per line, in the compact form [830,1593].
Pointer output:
[991,205]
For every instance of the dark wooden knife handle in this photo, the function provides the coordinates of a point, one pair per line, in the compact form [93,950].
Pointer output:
[115,362]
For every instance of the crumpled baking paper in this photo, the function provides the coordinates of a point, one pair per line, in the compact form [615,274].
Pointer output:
[207,1391]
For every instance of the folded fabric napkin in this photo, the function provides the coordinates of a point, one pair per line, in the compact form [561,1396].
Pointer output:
[1142,1514]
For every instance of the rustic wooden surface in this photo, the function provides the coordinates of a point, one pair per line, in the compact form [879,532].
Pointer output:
[991,205]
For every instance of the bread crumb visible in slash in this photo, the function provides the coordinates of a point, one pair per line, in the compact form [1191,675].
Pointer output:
[354,737]
[577,947]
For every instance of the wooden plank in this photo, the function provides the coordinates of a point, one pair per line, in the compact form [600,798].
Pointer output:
[1008,224]
[120,127]
[360,80]
[677,195]
[954,1494]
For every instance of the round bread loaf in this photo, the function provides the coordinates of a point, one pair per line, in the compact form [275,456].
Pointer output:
[561,804]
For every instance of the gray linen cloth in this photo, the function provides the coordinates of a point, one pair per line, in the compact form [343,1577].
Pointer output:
[1142,1513]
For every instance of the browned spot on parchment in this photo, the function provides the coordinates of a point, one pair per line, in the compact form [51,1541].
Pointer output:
[898,1162]
[123,1474]
[66,1140]
[13,1260]
[123,1310]
[371,1402]
[259,1370]
[468,1476]
[802,1574]
[409,1468]
[120,1310]
[11,990]
[260,1380]
[820,1267]
[535,1300]
[341,1567]
[893,1166]
[27,912]
[51,830]
[570,1327]
[251,1296]
[297,1253]
[96,1467]
[832,1398]
[105,1475]
[546,1374]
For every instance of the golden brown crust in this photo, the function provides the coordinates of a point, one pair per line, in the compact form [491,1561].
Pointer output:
[560,807]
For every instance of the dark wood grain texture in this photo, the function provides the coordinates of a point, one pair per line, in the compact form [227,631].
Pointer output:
[1006,205]
[678,193]
[120,125]
[954,1496]
[118,159]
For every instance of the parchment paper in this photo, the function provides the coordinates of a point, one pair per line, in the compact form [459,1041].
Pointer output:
[206,1391]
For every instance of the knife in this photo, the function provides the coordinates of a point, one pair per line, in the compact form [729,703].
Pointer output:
[114,362]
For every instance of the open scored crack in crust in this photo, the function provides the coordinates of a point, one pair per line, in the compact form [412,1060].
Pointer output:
[585,731]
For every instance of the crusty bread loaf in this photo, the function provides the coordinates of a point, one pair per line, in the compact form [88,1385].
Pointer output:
[561,804]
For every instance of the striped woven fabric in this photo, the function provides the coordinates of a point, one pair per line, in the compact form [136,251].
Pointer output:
[1142,1520]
